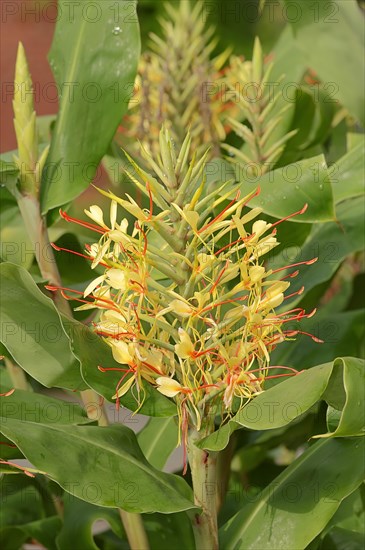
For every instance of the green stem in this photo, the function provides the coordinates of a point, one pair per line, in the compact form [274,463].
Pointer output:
[205,486]
[36,228]
[136,534]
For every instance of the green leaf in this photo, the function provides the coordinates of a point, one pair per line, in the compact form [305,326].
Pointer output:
[352,421]
[347,174]
[312,119]
[343,539]
[34,407]
[275,407]
[351,513]
[158,439]
[92,352]
[79,517]
[32,332]
[22,513]
[290,512]
[43,531]
[164,531]
[321,30]
[94,59]
[15,244]
[104,466]
[340,384]
[9,174]
[284,190]
[330,242]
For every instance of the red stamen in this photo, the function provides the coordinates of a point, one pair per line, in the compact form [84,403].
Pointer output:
[54,288]
[238,299]
[245,239]
[157,371]
[295,332]
[134,307]
[105,369]
[274,367]
[221,213]
[298,292]
[290,275]
[291,215]
[7,393]
[307,262]
[59,248]
[219,277]
[196,354]
[88,225]
[24,470]
[117,336]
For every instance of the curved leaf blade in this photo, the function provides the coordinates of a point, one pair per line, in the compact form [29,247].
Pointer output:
[286,189]
[292,510]
[104,466]
[94,58]
[330,242]
[32,332]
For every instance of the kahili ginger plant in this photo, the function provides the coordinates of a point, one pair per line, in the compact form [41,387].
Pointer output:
[186,303]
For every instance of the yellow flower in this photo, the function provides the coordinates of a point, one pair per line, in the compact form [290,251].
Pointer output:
[168,386]
[185,348]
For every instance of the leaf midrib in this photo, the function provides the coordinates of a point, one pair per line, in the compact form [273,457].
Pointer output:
[122,455]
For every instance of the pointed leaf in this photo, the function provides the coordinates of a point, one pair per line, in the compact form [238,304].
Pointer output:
[284,190]
[94,58]
[32,332]
[104,466]
[291,511]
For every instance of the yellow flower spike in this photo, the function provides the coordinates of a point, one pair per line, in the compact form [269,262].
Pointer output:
[167,307]
[168,386]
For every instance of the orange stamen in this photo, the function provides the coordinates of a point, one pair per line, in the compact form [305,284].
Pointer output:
[24,470]
[305,207]
[219,277]
[6,394]
[59,249]
[88,225]
[298,292]
[221,213]
[307,262]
